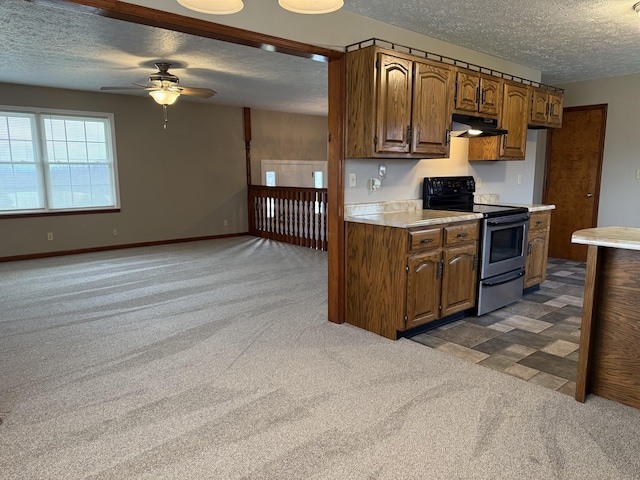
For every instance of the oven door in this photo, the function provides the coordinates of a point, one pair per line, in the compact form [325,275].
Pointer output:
[504,244]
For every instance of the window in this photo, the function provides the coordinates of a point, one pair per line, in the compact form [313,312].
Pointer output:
[56,161]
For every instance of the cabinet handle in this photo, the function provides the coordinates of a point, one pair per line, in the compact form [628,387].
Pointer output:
[426,240]
[547,111]
[504,142]
[484,95]
[408,134]
[475,262]
[462,235]
[552,109]
[448,137]
[439,269]
[477,95]
[539,222]
[529,249]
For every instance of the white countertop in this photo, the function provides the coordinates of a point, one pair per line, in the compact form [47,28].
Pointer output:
[409,213]
[615,237]
[413,218]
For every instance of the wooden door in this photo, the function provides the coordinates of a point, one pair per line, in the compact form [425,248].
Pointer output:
[423,288]
[432,105]
[572,177]
[394,104]
[489,96]
[459,278]
[556,101]
[467,84]
[539,107]
[514,120]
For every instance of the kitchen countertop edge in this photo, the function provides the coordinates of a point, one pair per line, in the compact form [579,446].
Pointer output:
[415,218]
[615,237]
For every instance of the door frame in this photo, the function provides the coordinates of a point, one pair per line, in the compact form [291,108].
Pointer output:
[547,159]
[336,102]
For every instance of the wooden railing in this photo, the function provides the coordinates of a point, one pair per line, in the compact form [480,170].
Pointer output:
[289,214]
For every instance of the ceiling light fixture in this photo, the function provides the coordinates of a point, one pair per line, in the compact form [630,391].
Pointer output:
[164,97]
[636,7]
[215,7]
[311,6]
[226,7]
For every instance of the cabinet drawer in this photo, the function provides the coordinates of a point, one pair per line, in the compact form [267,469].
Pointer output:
[424,239]
[539,221]
[463,232]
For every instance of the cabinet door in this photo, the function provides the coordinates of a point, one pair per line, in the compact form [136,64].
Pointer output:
[467,84]
[537,251]
[489,96]
[459,278]
[539,107]
[514,120]
[556,101]
[394,104]
[432,108]
[423,288]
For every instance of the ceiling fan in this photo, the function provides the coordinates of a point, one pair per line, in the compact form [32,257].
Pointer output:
[164,89]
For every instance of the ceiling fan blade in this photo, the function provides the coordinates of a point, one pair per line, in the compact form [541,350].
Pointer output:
[121,88]
[197,92]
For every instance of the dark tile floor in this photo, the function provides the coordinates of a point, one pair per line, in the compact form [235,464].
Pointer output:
[535,339]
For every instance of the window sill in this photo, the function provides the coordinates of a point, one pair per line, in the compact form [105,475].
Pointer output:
[58,213]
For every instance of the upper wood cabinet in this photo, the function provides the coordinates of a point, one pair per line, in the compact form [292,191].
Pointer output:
[545,108]
[397,106]
[477,94]
[512,146]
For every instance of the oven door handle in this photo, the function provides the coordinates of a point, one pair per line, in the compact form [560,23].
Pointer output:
[520,220]
[510,279]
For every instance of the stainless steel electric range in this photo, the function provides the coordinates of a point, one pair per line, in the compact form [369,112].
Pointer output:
[502,243]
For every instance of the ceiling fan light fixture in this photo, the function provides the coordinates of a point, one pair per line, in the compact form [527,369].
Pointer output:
[636,7]
[311,6]
[164,97]
[214,7]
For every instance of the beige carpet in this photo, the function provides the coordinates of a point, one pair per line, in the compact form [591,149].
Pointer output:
[215,360]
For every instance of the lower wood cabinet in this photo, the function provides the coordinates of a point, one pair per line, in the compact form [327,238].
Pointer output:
[398,278]
[459,278]
[537,248]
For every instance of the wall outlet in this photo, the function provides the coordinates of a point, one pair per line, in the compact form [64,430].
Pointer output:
[352,180]
[226,223]
[49,236]
[374,184]
[114,232]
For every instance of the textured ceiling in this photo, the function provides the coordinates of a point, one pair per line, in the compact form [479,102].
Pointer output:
[567,40]
[47,46]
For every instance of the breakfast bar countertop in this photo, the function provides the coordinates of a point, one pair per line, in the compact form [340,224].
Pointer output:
[615,237]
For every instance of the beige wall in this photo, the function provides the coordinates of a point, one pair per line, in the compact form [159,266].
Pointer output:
[286,136]
[620,189]
[177,183]
[182,182]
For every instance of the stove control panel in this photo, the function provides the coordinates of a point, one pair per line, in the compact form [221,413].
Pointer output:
[448,185]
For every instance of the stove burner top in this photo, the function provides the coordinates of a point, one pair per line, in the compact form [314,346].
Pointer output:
[456,194]
[487,210]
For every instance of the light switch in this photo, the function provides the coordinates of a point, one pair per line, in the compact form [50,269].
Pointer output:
[638,174]
[352,180]
[519,179]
